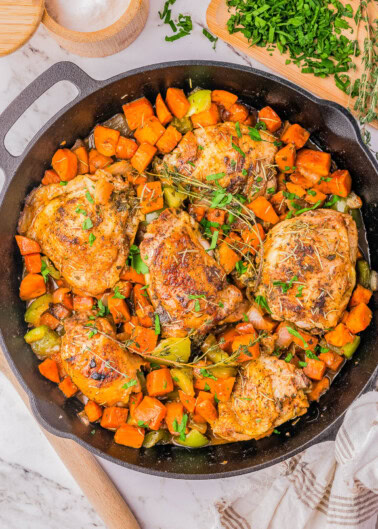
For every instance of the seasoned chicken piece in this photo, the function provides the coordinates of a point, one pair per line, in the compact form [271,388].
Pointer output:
[268,392]
[247,166]
[98,366]
[187,287]
[308,271]
[88,242]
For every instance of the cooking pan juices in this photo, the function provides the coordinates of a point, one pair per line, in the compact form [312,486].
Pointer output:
[192,271]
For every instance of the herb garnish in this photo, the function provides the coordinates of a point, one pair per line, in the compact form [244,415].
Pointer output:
[157,324]
[117,294]
[136,261]
[130,384]
[87,224]
[211,37]
[285,285]
[180,428]
[261,300]
[205,373]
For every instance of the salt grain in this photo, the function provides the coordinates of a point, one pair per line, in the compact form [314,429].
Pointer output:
[86,15]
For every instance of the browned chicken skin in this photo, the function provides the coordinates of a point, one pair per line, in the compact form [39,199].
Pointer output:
[268,392]
[98,366]
[316,251]
[251,174]
[54,216]
[187,287]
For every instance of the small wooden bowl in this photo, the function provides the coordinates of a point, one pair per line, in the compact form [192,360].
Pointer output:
[105,41]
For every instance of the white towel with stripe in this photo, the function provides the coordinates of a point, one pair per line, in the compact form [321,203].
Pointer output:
[331,485]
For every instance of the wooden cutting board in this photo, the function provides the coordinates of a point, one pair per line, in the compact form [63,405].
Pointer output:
[217,17]
[85,469]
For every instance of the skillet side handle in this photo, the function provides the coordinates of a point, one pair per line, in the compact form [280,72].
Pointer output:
[61,71]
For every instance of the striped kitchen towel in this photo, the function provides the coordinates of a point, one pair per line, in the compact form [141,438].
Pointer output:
[331,485]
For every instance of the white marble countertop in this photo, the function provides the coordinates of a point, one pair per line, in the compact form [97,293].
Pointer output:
[36,491]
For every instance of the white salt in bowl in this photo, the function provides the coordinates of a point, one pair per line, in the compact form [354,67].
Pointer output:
[103,42]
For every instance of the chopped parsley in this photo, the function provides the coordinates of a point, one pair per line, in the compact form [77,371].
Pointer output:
[302,364]
[117,294]
[205,373]
[300,289]
[254,134]
[285,285]
[136,261]
[63,183]
[270,190]
[237,128]
[157,324]
[45,271]
[211,37]
[82,211]
[238,149]
[88,196]
[241,267]
[214,240]
[87,224]
[91,239]
[288,357]
[130,383]
[261,300]
[215,176]
[180,428]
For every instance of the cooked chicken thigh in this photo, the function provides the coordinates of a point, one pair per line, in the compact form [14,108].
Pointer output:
[88,242]
[98,366]
[247,164]
[187,287]
[268,392]
[308,271]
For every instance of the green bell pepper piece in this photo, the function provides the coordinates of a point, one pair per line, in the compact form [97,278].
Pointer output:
[212,350]
[349,349]
[173,198]
[37,308]
[152,438]
[194,439]
[44,341]
[175,349]
[183,377]
[363,273]
[183,125]
[200,100]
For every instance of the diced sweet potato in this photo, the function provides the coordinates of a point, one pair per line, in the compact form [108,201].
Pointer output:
[224,98]
[263,210]
[237,112]
[340,336]
[106,140]
[151,195]
[162,111]
[126,148]
[272,120]
[359,318]
[295,134]
[360,295]
[177,102]
[83,160]
[136,112]
[313,196]
[207,117]
[150,131]
[296,189]
[285,158]
[313,164]
[169,140]
[68,387]
[143,157]
[315,369]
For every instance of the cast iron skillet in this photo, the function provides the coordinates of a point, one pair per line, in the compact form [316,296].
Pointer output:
[332,128]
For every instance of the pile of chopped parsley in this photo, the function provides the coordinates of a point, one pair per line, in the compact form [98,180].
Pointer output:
[309,31]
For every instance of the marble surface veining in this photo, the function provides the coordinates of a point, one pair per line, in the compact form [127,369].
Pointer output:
[36,491]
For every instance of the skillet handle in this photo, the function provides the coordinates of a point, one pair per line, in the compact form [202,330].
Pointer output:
[61,71]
